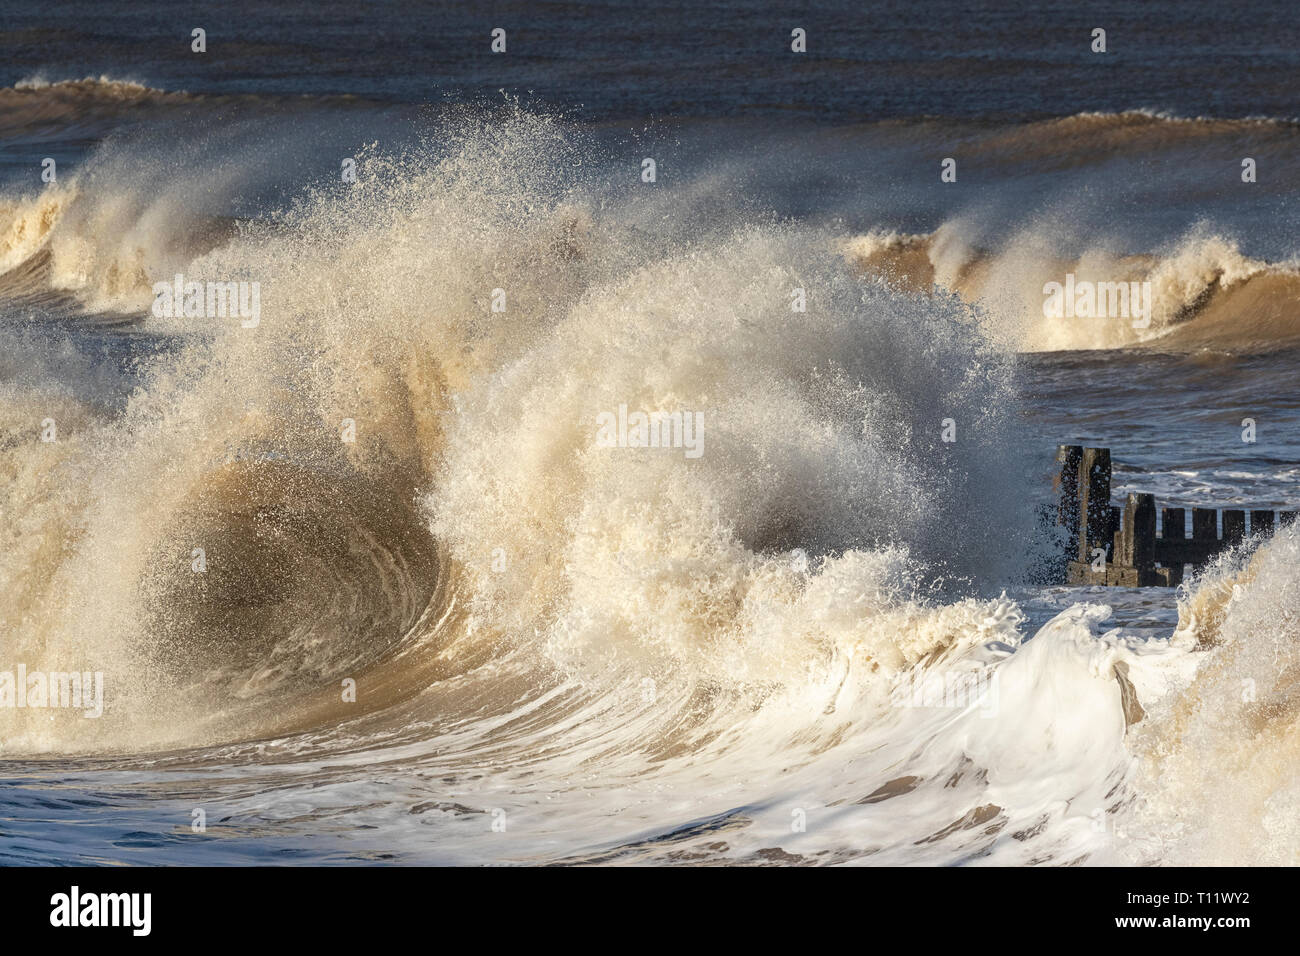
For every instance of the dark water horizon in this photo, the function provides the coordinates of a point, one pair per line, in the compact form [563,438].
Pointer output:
[626,61]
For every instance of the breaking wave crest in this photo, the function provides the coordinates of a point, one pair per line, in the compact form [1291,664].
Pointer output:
[476,437]
[1204,293]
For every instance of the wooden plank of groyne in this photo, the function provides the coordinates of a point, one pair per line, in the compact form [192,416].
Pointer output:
[1205,525]
[1174,521]
[1094,502]
[1137,538]
[1261,522]
[1174,533]
[1234,525]
[1203,544]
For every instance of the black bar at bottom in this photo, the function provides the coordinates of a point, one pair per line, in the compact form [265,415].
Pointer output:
[301,906]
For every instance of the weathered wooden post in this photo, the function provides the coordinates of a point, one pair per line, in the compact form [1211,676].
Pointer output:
[1138,533]
[1094,502]
[1234,526]
[1066,483]
[1094,525]
[1135,546]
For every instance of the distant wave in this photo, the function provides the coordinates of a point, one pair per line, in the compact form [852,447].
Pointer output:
[86,108]
[1205,293]
[91,107]
[88,86]
[1144,115]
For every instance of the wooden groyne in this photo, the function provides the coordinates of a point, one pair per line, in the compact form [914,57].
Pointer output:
[1119,544]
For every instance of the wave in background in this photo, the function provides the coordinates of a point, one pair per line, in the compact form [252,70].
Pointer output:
[101,237]
[1204,294]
